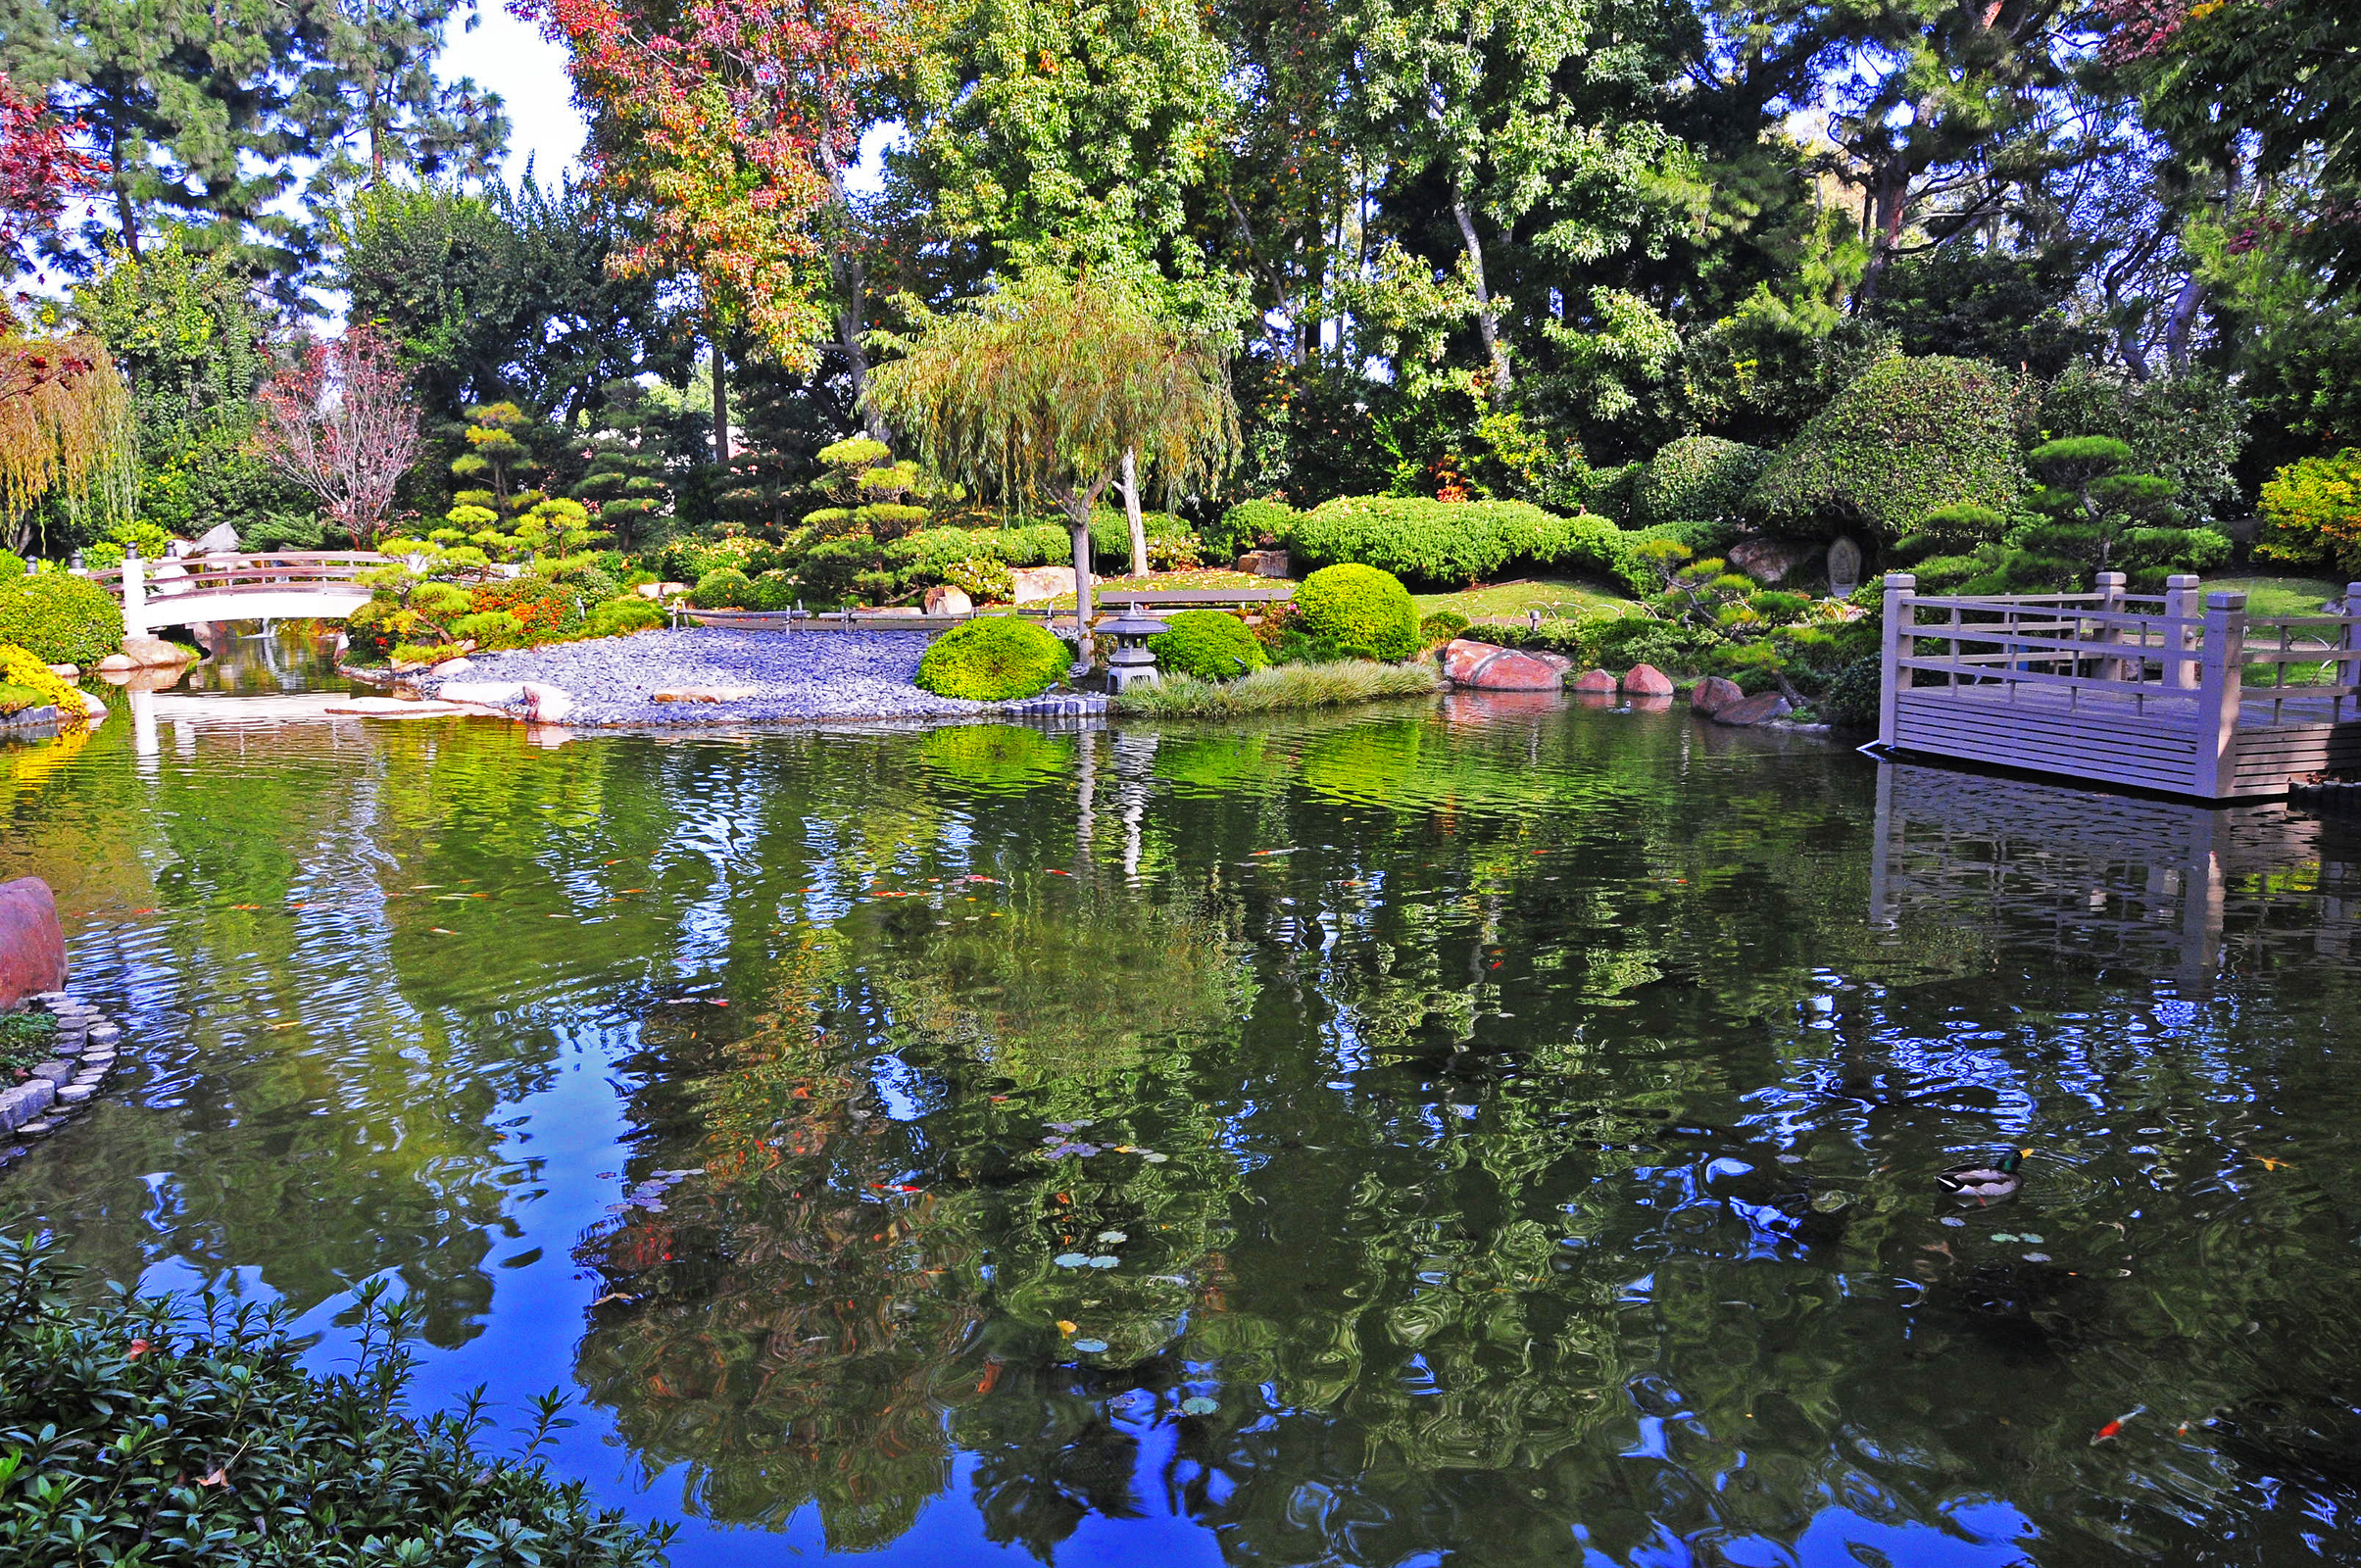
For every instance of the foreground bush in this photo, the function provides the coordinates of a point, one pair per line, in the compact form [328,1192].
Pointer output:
[1909,437]
[1360,610]
[1698,479]
[994,659]
[1453,543]
[143,1430]
[1207,644]
[1274,690]
[60,619]
[25,682]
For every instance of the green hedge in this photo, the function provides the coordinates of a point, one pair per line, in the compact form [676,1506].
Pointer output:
[1360,610]
[1245,527]
[61,619]
[992,659]
[1911,437]
[619,617]
[1698,479]
[1208,644]
[143,1431]
[922,558]
[1455,543]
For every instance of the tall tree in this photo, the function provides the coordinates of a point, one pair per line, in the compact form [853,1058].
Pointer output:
[338,420]
[370,106]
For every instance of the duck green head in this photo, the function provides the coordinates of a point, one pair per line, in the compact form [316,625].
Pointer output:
[2007,1163]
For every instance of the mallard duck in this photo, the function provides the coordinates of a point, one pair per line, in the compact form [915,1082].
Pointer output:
[1984,1183]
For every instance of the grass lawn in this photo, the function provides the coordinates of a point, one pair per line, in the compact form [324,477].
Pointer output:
[1510,601]
[2280,595]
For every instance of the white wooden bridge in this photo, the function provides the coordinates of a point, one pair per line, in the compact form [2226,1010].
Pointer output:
[2182,693]
[283,585]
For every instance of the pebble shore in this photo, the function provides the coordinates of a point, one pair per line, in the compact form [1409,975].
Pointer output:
[801,675]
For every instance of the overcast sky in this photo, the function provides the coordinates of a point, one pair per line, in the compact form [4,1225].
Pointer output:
[528,71]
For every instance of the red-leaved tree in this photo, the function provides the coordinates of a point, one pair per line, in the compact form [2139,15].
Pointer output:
[338,420]
[728,128]
[40,170]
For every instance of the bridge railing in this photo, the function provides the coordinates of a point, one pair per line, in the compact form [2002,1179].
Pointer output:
[137,582]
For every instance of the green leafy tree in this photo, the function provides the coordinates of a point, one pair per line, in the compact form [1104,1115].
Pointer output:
[1047,383]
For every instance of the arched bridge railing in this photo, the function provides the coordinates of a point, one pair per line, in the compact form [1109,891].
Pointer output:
[281,585]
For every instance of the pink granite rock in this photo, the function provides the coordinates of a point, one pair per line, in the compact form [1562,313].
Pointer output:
[1594,680]
[32,945]
[1753,710]
[1486,668]
[1713,694]
[1647,680]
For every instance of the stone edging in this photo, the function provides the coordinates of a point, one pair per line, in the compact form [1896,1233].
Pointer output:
[61,1086]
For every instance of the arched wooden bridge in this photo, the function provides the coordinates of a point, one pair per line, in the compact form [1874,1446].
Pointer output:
[284,585]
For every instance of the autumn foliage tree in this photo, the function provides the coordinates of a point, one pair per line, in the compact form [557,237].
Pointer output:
[728,128]
[339,421]
[40,168]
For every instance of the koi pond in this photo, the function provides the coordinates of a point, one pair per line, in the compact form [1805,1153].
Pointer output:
[1465,1131]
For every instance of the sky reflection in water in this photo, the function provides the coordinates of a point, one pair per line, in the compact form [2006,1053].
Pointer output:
[1466,1132]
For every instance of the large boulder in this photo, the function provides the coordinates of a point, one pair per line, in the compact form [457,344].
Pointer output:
[219,540]
[1033,584]
[151,651]
[1752,710]
[1647,680]
[948,599]
[1713,694]
[1483,667]
[1769,561]
[548,704]
[1599,681]
[1263,562]
[32,943]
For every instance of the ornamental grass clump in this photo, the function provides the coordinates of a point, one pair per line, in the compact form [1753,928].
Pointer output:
[173,1431]
[1279,689]
[1361,610]
[1207,644]
[994,659]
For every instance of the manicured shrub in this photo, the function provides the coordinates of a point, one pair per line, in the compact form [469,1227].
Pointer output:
[1455,543]
[619,617]
[106,552]
[1246,525]
[60,619]
[489,629]
[722,588]
[1850,700]
[1208,644]
[992,659]
[1698,479]
[11,564]
[141,1430]
[1906,439]
[1442,626]
[773,590]
[1362,610]
[369,635]
[25,682]
[1611,493]
[983,579]
[2312,512]
[919,560]
[543,608]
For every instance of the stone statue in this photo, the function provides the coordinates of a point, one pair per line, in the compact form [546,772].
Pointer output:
[1844,568]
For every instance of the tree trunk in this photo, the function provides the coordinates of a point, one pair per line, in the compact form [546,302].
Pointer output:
[1082,645]
[1888,205]
[2179,322]
[1488,325]
[1131,513]
[850,276]
[713,328]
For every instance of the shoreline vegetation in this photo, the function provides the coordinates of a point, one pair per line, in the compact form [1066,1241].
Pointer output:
[1277,689]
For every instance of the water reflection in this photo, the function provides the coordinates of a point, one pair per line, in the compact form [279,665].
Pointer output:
[1473,1130]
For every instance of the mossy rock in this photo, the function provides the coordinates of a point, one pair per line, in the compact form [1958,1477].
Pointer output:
[1361,611]
[1208,644]
[994,659]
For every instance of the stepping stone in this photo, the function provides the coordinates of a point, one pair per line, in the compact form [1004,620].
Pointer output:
[76,1094]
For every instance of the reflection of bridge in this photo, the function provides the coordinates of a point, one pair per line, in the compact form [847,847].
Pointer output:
[290,585]
[2164,888]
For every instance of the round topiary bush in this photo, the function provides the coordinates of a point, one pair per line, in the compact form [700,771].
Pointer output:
[1442,626]
[1208,644]
[994,659]
[1361,610]
[60,619]
[1909,437]
[1697,478]
[722,588]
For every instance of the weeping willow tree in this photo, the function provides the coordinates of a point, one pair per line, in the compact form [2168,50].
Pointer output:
[64,435]
[1046,383]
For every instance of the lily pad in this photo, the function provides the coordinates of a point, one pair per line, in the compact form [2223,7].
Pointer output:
[1112,1237]
[1072,1259]
[1197,1404]
[1105,1260]
[1090,1346]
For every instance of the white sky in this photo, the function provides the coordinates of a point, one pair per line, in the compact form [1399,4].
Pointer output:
[512,59]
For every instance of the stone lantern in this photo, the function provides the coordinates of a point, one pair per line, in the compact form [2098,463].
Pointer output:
[1131,663]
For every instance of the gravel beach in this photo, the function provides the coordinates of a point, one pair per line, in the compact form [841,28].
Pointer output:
[813,674]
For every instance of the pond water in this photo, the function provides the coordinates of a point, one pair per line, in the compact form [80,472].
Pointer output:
[1483,1133]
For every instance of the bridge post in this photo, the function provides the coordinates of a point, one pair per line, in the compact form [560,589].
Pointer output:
[2111,586]
[1899,611]
[2221,667]
[134,594]
[2349,668]
[2180,604]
